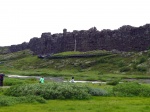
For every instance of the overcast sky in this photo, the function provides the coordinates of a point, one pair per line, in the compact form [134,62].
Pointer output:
[21,20]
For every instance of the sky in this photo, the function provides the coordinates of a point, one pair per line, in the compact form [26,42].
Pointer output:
[21,20]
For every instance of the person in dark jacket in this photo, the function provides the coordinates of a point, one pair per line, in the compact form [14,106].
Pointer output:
[1,79]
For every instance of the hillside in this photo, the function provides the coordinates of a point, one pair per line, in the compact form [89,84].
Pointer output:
[103,65]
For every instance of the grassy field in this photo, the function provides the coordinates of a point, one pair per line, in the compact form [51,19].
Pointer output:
[106,66]
[94,104]
[97,104]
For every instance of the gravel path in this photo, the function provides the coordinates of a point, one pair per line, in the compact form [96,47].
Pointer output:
[57,79]
[60,79]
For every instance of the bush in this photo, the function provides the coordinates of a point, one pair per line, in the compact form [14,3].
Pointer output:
[125,69]
[30,99]
[114,82]
[8,100]
[121,64]
[97,92]
[141,69]
[2,90]
[12,81]
[17,81]
[50,91]
[131,89]
[142,60]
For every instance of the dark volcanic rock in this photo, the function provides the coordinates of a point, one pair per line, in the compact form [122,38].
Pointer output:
[19,47]
[126,38]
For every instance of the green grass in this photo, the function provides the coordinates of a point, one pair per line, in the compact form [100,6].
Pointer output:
[16,81]
[102,67]
[67,53]
[78,53]
[97,104]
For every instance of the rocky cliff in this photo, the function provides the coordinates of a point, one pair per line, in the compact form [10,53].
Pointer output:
[125,38]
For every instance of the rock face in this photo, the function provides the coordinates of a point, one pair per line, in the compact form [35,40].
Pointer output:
[19,47]
[126,38]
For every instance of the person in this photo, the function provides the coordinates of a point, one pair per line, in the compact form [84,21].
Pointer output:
[72,80]
[1,79]
[42,80]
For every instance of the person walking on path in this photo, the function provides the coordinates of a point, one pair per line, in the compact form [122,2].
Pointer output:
[42,80]
[72,80]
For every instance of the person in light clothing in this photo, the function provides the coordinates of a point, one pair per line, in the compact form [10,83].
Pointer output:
[72,80]
[42,80]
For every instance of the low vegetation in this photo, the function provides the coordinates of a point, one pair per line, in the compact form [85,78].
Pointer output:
[16,81]
[56,91]
[131,89]
[112,67]
[96,104]
[68,96]
[103,66]
[50,91]
[9,100]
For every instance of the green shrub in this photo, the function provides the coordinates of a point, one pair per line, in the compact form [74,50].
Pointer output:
[17,81]
[50,91]
[12,81]
[9,100]
[121,64]
[142,60]
[141,69]
[148,53]
[125,69]
[131,89]
[2,90]
[31,99]
[97,92]
[114,82]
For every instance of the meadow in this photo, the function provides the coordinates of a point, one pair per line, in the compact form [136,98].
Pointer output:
[26,95]
[105,65]
[96,104]
[110,103]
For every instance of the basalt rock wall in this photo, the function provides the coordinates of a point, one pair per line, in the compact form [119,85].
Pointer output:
[126,38]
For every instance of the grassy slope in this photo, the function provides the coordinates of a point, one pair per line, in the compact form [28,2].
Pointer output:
[92,68]
[4,50]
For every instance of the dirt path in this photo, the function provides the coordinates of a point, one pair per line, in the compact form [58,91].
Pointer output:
[60,79]
[57,79]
